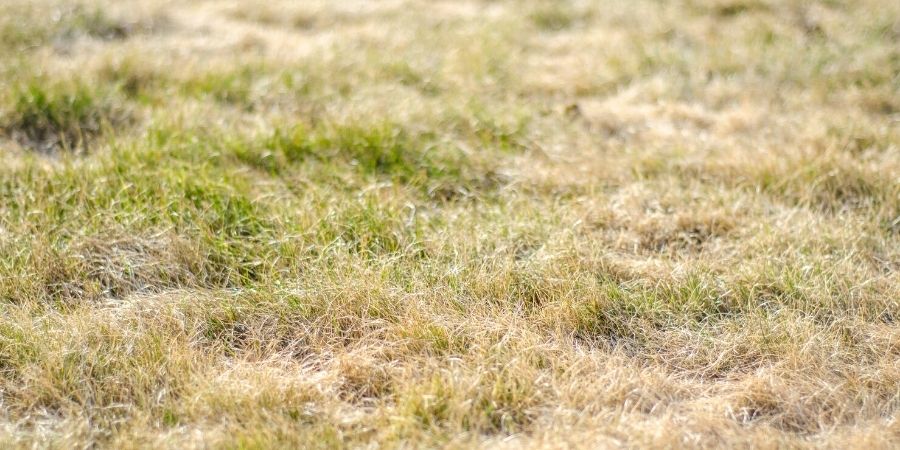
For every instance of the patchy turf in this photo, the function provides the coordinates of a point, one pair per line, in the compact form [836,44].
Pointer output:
[231,224]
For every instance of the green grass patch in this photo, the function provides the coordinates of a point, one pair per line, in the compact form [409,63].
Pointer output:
[554,16]
[49,118]
[373,151]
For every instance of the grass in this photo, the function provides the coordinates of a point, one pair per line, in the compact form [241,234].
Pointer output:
[50,119]
[33,24]
[449,224]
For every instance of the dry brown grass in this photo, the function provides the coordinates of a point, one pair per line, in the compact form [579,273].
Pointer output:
[410,223]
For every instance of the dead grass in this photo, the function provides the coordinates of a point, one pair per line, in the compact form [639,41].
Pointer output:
[535,224]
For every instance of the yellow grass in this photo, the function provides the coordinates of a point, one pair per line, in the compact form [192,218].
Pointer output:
[423,223]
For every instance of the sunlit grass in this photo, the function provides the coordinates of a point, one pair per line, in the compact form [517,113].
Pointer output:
[449,224]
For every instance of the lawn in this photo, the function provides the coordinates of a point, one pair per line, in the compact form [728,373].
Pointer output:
[449,224]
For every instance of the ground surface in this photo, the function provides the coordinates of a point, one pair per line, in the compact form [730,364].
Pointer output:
[450,223]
